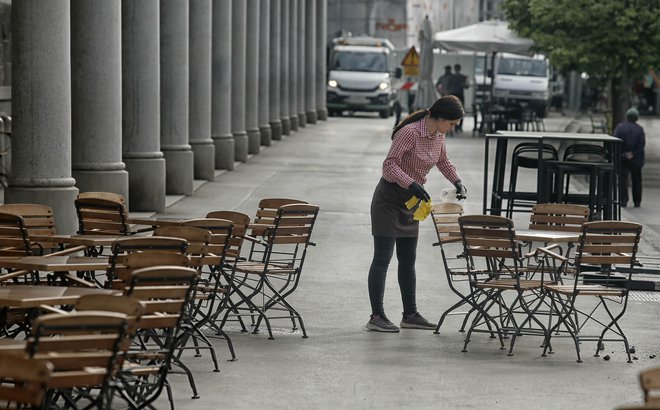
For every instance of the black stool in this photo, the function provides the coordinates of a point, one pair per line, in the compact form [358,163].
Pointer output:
[526,155]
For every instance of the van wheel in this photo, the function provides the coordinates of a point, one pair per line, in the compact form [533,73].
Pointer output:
[384,113]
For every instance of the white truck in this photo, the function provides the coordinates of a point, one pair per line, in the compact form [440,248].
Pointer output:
[522,80]
[360,71]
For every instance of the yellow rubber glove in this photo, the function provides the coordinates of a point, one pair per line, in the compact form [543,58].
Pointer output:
[423,208]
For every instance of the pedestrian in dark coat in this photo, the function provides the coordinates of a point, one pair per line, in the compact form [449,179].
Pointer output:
[632,162]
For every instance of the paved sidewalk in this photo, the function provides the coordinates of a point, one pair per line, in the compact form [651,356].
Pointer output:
[336,164]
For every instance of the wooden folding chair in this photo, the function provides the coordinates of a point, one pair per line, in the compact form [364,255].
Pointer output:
[211,294]
[101,213]
[82,347]
[165,291]
[603,246]
[496,265]
[200,239]
[276,265]
[445,220]
[24,382]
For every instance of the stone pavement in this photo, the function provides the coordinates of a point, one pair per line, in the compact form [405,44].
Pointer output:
[336,164]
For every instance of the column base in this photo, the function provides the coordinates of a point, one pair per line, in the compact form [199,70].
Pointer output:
[302,119]
[179,171]
[254,141]
[286,127]
[266,135]
[240,146]
[204,159]
[311,117]
[105,181]
[322,114]
[294,122]
[224,152]
[146,183]
[59,198]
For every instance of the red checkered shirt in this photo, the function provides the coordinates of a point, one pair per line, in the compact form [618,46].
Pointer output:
[413,153]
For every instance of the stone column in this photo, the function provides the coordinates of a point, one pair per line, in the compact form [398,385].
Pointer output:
[293,64]
[321,58]
[302,118]
[252,76]
[41,103]
[274,93]
[284,67]
[96,97]
[221,88]
[310,61]
[174,101]
[264,72]
[238,61]
[141,104]
[199,113]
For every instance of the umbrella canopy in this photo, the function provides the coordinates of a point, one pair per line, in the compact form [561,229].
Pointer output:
[491,36]
[426,94]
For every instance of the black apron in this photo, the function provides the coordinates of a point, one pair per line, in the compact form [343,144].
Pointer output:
[389,215]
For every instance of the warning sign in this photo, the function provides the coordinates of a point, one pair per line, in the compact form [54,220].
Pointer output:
[410,62]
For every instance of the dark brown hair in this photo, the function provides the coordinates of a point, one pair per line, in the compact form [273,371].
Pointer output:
[448,107]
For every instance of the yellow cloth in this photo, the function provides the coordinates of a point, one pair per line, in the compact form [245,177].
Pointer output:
[423,208]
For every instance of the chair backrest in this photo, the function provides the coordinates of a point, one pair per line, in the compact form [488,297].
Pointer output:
[85,350]
[39,219]
[650,381]
[586,153]
[267,212]
[130,307]
[14,236]
[221,234]
[491,239]
[101,213]
[288,238]
[164,291]
[608,244]
[24,381]
[445,219]
[199,240]
[558,217]
[526,154]
[151,250]
[240,222]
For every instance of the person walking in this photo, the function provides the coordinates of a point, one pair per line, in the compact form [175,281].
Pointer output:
[632,162]
[418,145]
[456,85]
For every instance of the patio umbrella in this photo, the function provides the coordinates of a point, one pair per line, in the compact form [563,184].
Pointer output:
[426,94]
[491,36]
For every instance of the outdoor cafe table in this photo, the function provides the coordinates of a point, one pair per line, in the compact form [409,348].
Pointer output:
[497,192]
[57,264]
[156,222]
[32,296]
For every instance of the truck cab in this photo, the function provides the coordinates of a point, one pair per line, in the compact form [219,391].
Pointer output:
[522,80]
[359,77]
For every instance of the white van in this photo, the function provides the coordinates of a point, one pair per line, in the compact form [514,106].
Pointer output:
[359,77]
[522,80]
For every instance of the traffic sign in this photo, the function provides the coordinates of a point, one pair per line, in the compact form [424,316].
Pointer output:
[410,62]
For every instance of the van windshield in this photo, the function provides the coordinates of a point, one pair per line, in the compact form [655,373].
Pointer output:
[359,61]
[530,68]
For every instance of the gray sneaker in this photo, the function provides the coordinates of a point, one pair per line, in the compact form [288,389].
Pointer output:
[416,321]
[380,323]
